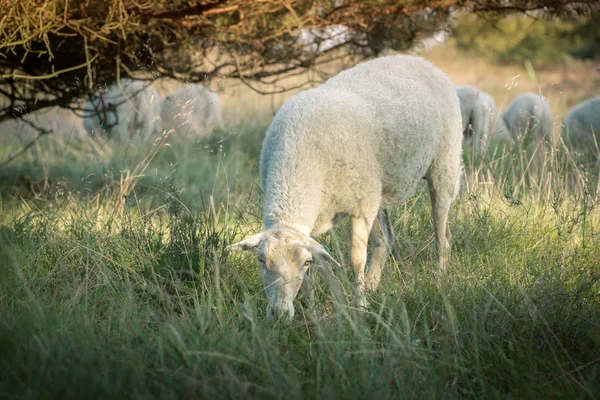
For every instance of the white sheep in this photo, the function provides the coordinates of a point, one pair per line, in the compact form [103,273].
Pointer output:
[192,111]
[356,145]
[529,114]
[123,114]
[582,125]
[480,118]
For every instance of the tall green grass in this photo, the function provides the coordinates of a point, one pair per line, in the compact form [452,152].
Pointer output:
[115,284]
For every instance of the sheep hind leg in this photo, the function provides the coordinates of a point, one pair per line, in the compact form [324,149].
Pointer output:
[443,182]
[361,228]
[382,237]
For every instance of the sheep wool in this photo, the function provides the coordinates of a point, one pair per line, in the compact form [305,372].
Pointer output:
[480,118]
[192,111]
[123,114]
[360,142]
[582,122]
[528,117]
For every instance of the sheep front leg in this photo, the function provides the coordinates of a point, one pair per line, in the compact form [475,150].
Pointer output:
[361,228]
[382,237]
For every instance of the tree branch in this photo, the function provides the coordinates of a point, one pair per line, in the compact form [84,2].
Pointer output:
[41,132]
[54,74]
[46,47]
[202,9]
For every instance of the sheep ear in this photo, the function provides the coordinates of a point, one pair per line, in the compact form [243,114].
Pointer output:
[320,252]
[248,244]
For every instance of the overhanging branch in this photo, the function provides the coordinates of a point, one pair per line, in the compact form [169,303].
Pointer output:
[14,75]
[46,47]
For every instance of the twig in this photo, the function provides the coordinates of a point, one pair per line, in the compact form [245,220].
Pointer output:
[54,74]
[42,132]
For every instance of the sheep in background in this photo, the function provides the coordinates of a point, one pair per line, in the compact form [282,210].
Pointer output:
[192,111]
[354,146]
[63,124]
[582,126]
[529,114]
[124,114]
[480,118]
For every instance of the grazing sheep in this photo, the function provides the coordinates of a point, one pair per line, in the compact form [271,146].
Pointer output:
[582,125]
[356,145]
[480,118]
[123,114]
[529,114]
[191,111]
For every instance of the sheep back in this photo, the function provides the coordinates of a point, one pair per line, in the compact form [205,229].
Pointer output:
[123,114]
[480,118]
[373,129]
[191,111]
[529,116]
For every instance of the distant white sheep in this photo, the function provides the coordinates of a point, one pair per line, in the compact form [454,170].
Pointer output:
[356,145]
[582,125]
[529,116]
[124,114]
[192,111]
[480,118]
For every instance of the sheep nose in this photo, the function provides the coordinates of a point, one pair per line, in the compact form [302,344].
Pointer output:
[275,312]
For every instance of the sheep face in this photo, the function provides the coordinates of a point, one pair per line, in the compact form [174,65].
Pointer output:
[284,257]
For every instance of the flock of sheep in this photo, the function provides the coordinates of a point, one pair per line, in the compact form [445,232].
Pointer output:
[358,144]
[354,146]
[136,109]
[528,117]
[131,110]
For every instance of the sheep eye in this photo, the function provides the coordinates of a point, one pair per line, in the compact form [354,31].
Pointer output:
[307,263]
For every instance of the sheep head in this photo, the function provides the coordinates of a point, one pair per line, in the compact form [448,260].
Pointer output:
[284,257]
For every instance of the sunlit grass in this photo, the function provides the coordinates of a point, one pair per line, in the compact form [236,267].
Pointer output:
[139,299]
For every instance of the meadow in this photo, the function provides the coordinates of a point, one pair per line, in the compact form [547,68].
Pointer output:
[115,282]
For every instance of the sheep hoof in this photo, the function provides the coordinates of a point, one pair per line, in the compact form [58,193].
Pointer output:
[371,284]
[442,278]
[361,302]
